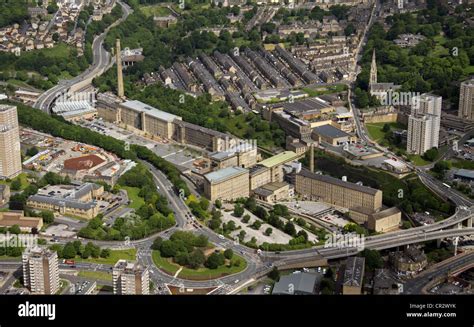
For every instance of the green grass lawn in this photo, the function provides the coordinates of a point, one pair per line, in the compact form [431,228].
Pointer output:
[418,160]
[136,201]
[375,130]
[155,10]
[464,164]
[115,255]
[96,275]
[23,177]
[171,268]
[314,92]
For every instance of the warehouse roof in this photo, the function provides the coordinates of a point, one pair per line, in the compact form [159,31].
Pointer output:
[149,110]
[465,173]
[339,182]
[279,159]
[330,131]
[224,174]
[386,213]
[295,284]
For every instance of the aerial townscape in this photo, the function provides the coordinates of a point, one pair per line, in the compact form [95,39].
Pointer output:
[237,147]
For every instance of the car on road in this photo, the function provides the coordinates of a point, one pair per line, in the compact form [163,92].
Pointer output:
[221,236]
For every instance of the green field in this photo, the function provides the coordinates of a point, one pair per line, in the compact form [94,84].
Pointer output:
[171,268]
[155,10]
[23,178]
[375,130]
[136,201]
[314,92]
[115,255]
[96,275]
[464,164]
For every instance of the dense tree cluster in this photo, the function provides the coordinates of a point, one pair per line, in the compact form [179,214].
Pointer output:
[13,12]
[151,217]
[187,249]
[434,64]
[75,249]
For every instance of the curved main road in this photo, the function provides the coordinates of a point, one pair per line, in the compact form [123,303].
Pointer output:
[100,63]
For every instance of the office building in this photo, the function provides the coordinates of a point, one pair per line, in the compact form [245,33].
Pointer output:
[79,201]
[10,155]
[337,192]
[130,278]
[41,270]
[466,100]
[353,276]
[423,124]
[227,184]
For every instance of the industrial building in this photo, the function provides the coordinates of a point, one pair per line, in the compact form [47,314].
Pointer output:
[227,184]
[336,191]
[148,119]
[295,284]
[40,270]
[130,278]
[273,192]
[332,135]
[385,220]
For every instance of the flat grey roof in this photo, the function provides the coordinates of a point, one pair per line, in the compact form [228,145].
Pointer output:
[223,174]
[149,110]
[330,131]
[300,283]
[338,182]
[465,173]
[70,203]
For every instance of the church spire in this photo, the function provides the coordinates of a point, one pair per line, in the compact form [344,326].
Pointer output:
[373,70]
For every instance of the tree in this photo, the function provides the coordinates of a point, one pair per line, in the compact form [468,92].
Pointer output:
[32,151]
[290,228]
[238,210]
[105,253]
[218,204]
[48,217]
[215,260]
[157,243]
[15,229]
[196,259]
[228,254]
[256,224]
[373,259]
[69,251]
[431,154]
[386,128]
[268,231]
[274,274]
[15,184]
[246,219]
[168,249]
